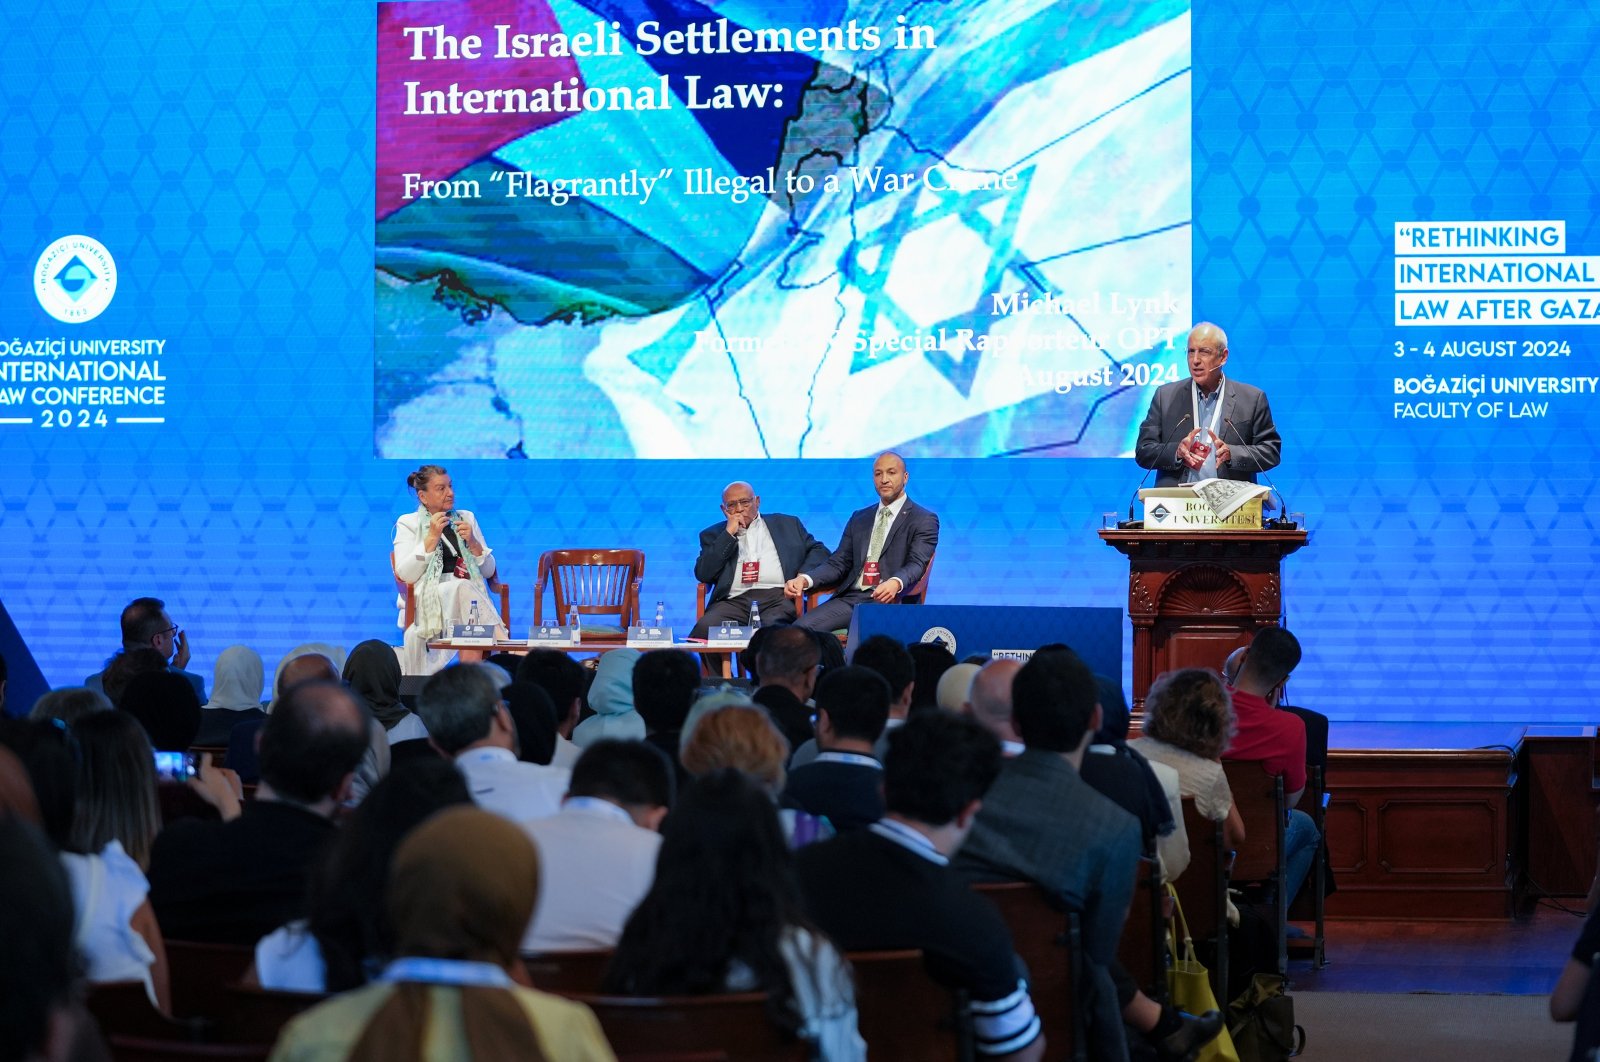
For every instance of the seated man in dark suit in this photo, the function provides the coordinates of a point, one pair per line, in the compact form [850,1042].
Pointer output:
[234,882]
[749,558]
[890,886]
[146,625]
[844,784]
[883,552]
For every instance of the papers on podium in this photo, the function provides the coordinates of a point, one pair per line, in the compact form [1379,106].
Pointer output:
[1209,505]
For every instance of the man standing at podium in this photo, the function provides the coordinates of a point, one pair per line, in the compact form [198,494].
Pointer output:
[883,552]
[1208,426]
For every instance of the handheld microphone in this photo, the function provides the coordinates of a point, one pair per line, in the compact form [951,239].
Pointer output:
[1282,522]
[1133,499]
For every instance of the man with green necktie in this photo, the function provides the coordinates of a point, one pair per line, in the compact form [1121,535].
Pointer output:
[883,552]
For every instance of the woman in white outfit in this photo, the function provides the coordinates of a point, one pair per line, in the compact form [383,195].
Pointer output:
[439,550]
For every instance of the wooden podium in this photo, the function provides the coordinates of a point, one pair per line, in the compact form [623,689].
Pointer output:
[1195,596]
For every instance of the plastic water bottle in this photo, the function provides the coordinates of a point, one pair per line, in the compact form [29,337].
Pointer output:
[755,614]
[661,614]
[572,624]
[472,613]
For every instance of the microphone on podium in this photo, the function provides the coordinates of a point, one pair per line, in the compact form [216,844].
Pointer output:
[1133,499]
[1282,521]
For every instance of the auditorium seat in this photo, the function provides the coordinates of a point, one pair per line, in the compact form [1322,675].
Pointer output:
[1142,947]
[735,1024]
[1049,941]
[141,1049]
[904,1014]
[1259,796]
[123,1008]
[200,974]
[1203,889]
[253,1015]
[596,582]
[568,972]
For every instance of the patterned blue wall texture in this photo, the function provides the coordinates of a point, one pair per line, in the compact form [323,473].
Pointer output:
[225,156]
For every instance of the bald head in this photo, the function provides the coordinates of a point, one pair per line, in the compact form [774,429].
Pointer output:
[312,742]
[889,476]
[991,697]
[311,667]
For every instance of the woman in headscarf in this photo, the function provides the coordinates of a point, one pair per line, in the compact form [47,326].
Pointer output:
[461,890]
[611,697]
[373,674]
[236,689]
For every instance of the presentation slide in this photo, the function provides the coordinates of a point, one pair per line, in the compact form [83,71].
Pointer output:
[599,258]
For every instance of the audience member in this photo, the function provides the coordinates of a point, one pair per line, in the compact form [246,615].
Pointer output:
[373,673]
[4,675]
[461,889]
[534,718]
[611,698]
[236,687]
[38,969]
[116,787]
[930,661]
[146,625]
[69,704]
[166,707]
[890,659]
[1276,740]
[844,784]
[599,852]
[566,681]
[121,669]
[991,703]
[954,693]
[890,886]
[234,882]
[724,915]
[1042,823]
[333,654]
[468,722]
[665,683]
[344,940]
[1188,721]
[294,669]
[16,792]
[1576,996]
[117,934]
[787,664]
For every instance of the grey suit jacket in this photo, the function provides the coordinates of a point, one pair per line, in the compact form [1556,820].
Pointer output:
[1247,428]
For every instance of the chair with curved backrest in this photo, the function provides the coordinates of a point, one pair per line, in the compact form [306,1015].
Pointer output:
[565,972]
[254,1015]
[1142,947]
[200,973]
[735,1024]
[595,582]
[409,592]
[1048,940]
[902,1013]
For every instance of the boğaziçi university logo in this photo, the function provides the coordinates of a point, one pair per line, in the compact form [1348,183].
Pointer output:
[940,636]
[75,279]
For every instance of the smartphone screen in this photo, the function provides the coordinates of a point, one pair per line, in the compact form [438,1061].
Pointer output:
[174,766]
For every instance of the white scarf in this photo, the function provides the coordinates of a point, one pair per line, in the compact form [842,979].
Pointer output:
[430,610]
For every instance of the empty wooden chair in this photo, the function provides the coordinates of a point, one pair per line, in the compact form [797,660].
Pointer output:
[594,583]
[904,1015]
[736,1024]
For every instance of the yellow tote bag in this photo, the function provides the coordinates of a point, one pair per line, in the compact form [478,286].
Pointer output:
[1189,986]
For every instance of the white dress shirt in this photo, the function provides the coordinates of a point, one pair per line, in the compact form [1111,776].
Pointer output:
[755,544]
[596,865]
[503,784]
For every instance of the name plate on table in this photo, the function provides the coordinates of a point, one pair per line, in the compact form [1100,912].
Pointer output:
[556,635]
[472,634]
[649,637]
[730,637]
[1211,505]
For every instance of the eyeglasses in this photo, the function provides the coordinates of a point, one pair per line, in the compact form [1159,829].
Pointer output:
[739,504]
[170,631]
[1206,352]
